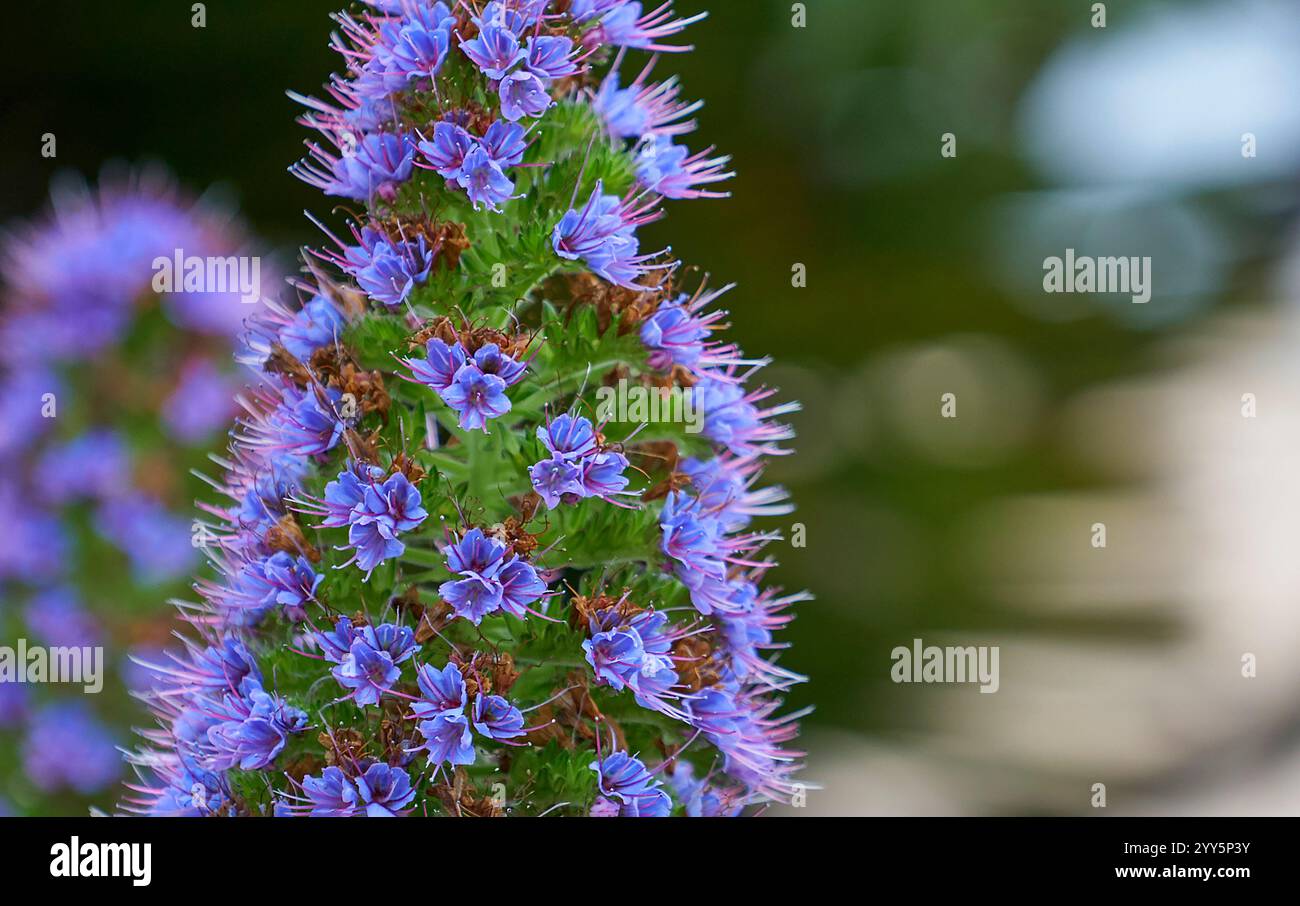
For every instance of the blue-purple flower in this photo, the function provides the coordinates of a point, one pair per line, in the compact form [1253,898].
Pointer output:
[280,580]
[373,658]
[476,165]
[385,510]
[636,652]
[444,724]
[577,467]
[375,510]
[602,234]
[627,789]
[494,50]
[643,109]
[482,179]
[445,153]
[251,727]
[441,712]
[473,386]
[380,791]
[623,24]
[374,165]
[331,795]
[523,94]
[318,323]
[495,718]
[550,57]
[491,578]
[386,269]
[307,422]
[414,46]
[384,790]
[672,171]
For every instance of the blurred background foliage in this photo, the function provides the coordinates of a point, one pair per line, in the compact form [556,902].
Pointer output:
[923,274]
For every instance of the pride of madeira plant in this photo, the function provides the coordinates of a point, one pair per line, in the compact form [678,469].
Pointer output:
[446,580]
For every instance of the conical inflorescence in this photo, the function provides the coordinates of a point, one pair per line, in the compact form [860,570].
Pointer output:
[487,538]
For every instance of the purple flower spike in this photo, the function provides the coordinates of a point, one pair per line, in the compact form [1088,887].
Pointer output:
[511,107]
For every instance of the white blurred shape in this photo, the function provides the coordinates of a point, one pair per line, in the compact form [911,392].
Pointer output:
[1205,545]
[1165,98]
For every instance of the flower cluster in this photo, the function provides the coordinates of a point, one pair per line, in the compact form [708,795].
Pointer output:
[443,723]
[602,235]
[491,579]
[627,789]
[636,650]
[476,165]
[522,72]
[374,790]
[564,614]
[387,269]
[368,657]
[472,385]
[220,718]
[113,385]
[375,510]
[578,466]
